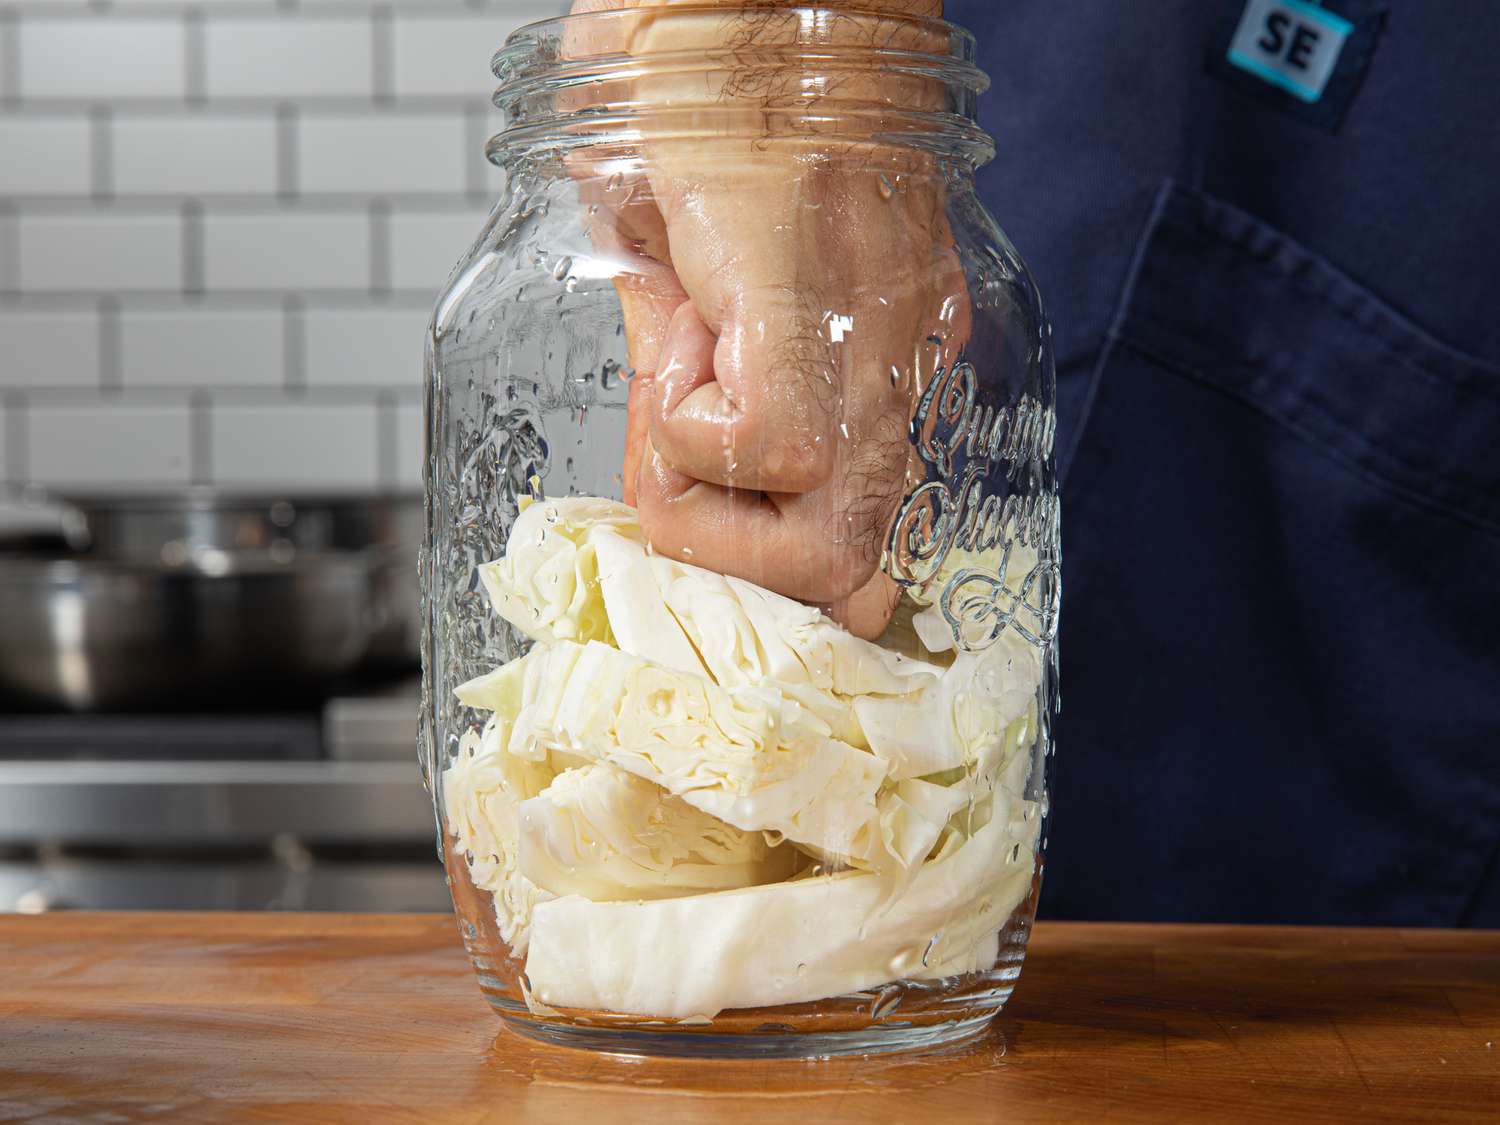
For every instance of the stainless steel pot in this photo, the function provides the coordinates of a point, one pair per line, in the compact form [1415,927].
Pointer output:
[204,600]
[173,527]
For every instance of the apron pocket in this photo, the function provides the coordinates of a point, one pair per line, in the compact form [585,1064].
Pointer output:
[1282,554]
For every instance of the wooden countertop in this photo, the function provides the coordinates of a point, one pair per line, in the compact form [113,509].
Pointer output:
[319,1018]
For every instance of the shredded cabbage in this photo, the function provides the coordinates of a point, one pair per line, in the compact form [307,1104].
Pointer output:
[696,794]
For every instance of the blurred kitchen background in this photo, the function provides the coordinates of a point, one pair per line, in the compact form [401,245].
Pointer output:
[222,224]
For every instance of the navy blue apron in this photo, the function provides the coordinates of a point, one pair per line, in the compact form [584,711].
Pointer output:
[1268,237]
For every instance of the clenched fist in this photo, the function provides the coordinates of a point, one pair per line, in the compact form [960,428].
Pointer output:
[790,286]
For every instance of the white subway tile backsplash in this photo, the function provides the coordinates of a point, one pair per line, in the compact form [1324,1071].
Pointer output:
[311,444]
[49,348]
[365,347]
[450,54]
[45,155]
[190,347]
[107,447]
[102,251]
[102,58]
[288,58]
[382,153]
[426,245]
[287,251]
[203,204]
[195,154]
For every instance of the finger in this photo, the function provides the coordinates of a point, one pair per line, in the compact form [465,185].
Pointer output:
[629,242]
[782,542]
[868,610]
[753,407]
[637,433]
[647,306]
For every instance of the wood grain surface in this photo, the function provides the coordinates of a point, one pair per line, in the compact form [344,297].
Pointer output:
[318,1018]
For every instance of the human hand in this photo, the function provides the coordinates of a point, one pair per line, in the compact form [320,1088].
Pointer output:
[781,300]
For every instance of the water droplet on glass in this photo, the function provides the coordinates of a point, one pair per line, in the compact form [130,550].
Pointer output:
[615,181]
[931,945]
[895,375]
[510,393]
[570,464]
[560,270]
[571,285]
[887,189]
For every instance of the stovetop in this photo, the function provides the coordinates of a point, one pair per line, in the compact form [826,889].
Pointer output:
[378,725]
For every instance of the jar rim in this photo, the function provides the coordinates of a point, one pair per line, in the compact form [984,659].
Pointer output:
[548,70]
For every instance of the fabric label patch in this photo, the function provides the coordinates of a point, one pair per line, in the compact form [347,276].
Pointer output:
[1305,56]
[1290,44]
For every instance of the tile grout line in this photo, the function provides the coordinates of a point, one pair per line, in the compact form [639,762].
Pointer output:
[386,446]
[235,105]
[294,343]
[17,438]
[111,361]
[415,302]
[475,130]
[193,270]
[380,248]
[383,54]
[10,248]
[10,56]
[200,437]
[101,154]
[287,171]
[195,57]
[353,394]
[233,300]
[331,202]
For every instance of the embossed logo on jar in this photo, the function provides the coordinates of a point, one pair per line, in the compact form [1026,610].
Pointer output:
[957,514]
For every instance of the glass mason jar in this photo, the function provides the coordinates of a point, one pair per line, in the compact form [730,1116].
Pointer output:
[741,578]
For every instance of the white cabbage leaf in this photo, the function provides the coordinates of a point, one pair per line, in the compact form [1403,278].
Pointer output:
[749,756]
[578,569]
[786,943]
[546,585]
[606,834]
[627,803]
[951,723]
[483,789]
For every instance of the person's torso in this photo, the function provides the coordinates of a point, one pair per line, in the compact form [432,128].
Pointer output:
[1265,234]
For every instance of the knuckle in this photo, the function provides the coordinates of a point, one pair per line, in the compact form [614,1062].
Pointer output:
[782,458]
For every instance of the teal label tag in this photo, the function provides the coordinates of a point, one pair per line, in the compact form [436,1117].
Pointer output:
[1290,44]
[1301,53]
